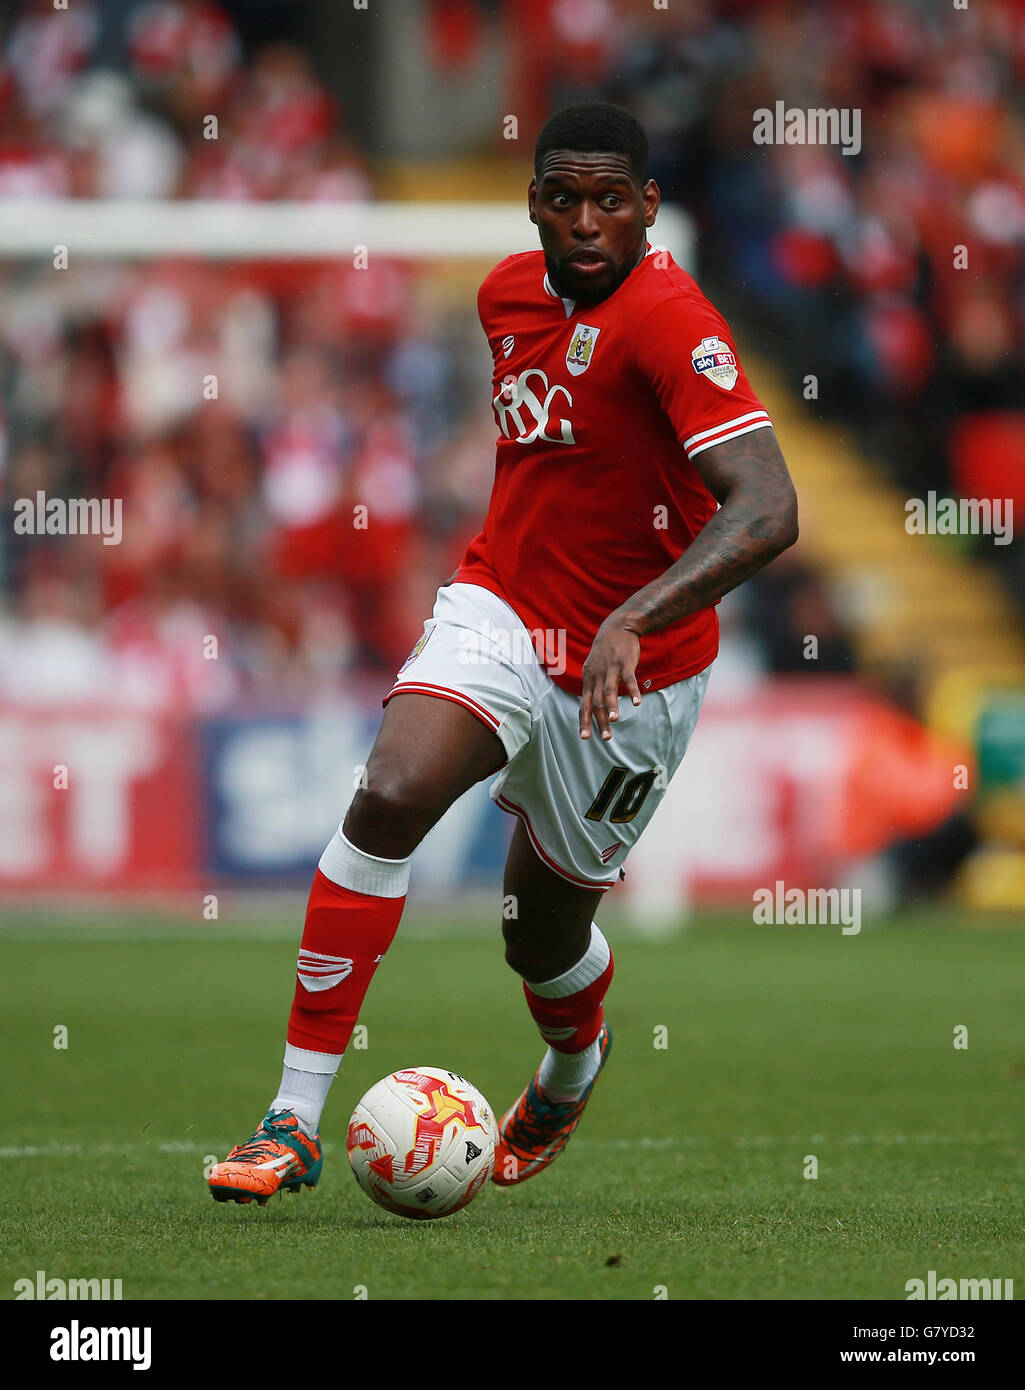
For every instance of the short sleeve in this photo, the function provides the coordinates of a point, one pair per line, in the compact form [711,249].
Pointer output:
[484,305]
[685,351]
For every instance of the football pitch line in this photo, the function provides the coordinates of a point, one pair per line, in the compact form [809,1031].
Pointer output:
[688,1141]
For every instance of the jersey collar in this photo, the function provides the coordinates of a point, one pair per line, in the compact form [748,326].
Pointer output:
[570,304]
[567,304]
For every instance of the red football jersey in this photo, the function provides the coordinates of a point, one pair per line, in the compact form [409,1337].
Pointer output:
[600,411]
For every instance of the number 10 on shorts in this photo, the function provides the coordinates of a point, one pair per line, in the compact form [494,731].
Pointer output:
[630,794]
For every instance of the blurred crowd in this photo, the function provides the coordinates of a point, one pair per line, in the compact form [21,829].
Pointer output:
[74,126]
[302,509]
[294,480]
[895,277]
[339,389]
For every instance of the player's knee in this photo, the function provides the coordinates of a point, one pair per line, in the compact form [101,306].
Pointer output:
[523,956]
[393,806]
[517,960]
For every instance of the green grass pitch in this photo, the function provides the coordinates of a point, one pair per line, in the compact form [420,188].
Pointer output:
[685,1179]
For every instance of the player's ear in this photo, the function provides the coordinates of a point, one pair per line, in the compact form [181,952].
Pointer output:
[652,200]
[532,199]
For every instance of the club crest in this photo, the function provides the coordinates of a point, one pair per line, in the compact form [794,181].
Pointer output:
[581,348]
[714,360]
[420,644]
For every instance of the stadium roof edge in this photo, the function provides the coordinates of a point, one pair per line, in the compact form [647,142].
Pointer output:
[219,229]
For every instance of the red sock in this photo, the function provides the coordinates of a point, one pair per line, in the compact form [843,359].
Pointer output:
[347,932]
[568,1010]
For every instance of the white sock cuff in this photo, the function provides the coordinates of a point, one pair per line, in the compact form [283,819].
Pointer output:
[324,1063]
[591,965]
[360,872]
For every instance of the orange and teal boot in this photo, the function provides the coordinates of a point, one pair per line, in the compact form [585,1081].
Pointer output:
[537,1129]
[278,1157]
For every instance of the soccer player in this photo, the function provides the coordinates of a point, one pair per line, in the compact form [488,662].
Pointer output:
[637,480]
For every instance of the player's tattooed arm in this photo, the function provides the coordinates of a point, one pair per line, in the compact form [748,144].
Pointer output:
[756,521]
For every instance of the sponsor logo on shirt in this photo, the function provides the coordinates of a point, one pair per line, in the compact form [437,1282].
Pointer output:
[525,413]
[714,360]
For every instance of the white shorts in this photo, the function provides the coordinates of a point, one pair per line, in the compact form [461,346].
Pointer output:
[584,802]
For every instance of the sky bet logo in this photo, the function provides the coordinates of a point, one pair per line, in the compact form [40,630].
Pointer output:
[714,360]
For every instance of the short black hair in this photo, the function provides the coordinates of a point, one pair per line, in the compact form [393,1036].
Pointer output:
[595,127]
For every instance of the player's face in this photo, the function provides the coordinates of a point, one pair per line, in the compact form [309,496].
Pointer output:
[592,216]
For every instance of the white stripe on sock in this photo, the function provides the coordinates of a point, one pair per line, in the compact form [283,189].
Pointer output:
[591,965]
[298,1059]
[360,872]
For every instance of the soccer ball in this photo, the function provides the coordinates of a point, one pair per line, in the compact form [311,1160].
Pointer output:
[422,1142]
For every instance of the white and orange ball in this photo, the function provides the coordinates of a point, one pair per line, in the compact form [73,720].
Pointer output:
[422,1142]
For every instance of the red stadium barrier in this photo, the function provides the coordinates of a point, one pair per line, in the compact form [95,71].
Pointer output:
[97,799]
[796,782]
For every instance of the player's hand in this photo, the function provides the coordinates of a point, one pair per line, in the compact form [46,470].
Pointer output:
[611,663]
